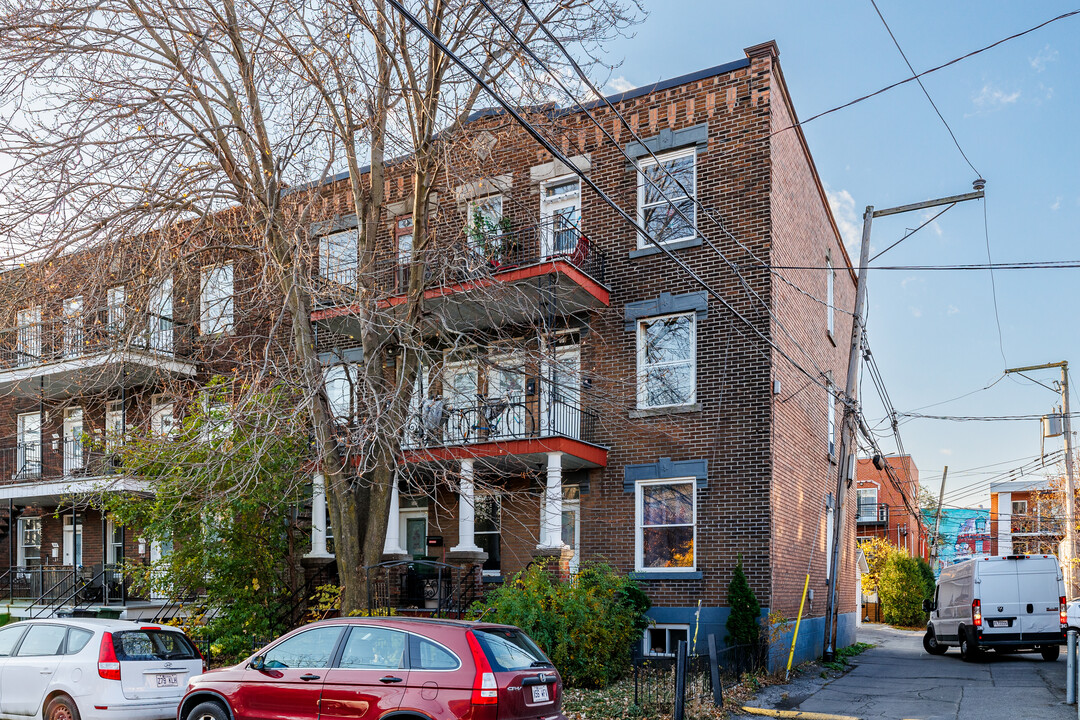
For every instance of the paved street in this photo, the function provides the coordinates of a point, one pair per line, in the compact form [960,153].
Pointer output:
[897,680]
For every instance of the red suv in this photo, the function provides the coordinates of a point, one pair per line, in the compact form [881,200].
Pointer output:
[406,669]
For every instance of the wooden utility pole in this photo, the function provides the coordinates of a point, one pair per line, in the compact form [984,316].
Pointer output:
[847,427]
[1070,483]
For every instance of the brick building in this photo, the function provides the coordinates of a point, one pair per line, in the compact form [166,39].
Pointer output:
[889,511]
[582,396]
[1025,517]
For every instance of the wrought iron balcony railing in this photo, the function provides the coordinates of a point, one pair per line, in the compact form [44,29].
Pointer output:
[873,514]
[69,458]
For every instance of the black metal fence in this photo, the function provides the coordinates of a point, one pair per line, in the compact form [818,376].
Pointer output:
[501,419]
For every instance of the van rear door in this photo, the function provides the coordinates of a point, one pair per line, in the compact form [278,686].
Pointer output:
[1040,592]
[999,594]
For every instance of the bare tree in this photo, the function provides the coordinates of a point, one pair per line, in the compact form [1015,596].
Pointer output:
[159,137]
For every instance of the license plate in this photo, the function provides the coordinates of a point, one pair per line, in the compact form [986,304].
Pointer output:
[999,623]
[166,680]
[540,693]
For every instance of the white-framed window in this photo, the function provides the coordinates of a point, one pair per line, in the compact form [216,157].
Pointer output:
[28,455]
[662,639]
[666,525]
[830,415]
[830,279]
[217,418]
[114,550]
[1019,507]
[667,358]
[29,548]
[868,500]
[488,530]
[340,382]
[115,310]
[159,325]
[560,215]
[162,416]
[74,326]
[216,299]
[339,256]
[28,336]
[665,210]
[571,523]
[114,424]
[484,226]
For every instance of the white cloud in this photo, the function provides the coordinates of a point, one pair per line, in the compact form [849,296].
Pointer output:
[945,451]
[953,310]
[916,312]
[620,84]
[910,280]
[992,98]
[843,210]
[1046,55]
[1057,204]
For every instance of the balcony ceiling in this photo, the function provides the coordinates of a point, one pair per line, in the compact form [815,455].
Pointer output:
[92,373]
[52,492]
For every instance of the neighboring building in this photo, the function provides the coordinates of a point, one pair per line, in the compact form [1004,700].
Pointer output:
[965,534]
[623,413]
[1025,517]
[885,502]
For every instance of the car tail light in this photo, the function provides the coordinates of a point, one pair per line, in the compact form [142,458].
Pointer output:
[976,613]
[1063,613]
[108,667]
[485,690]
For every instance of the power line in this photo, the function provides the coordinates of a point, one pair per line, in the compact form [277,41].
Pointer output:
[977,418]
[993,285]
[1029,265]
[927,72]
[925,91]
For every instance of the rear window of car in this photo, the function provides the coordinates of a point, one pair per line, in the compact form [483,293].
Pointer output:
[77,639]
[509,650]
[151,645]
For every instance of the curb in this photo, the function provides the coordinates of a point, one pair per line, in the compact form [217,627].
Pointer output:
[794,714]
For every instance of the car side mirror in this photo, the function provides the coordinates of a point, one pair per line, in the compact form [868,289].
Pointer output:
[257,663]
[927,605]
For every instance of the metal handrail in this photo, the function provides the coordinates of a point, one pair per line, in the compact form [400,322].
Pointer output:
[68,575]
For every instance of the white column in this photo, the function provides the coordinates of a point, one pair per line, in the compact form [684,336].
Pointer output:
[318,517]
[551,515]
[392,545]
[1004,528]
[466,511]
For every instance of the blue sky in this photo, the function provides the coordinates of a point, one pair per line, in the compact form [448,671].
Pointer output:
[1014,111]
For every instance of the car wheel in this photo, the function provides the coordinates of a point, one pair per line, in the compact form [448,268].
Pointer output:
[61,707]
[208,711]
[968,653]
[930,644]
[1050,652]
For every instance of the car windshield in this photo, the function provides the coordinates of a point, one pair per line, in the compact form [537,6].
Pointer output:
[151,645]
[510,650]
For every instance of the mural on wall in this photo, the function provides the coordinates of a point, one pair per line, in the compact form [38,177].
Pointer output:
[965,534]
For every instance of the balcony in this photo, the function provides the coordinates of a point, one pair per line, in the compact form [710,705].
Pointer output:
[511,277]
[505,431]
[872,514]
[91,351]
[31,472]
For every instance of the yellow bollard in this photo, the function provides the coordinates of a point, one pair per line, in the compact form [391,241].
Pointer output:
[798,621]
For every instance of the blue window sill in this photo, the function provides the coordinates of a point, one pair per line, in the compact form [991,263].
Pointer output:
[647,576]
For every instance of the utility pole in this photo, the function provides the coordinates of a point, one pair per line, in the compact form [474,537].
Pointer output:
[1070,483]
[847,427]
[937,520]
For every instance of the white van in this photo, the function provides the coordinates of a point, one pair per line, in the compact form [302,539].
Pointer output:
[1012,604]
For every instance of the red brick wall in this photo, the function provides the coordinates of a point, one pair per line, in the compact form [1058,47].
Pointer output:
[903,529]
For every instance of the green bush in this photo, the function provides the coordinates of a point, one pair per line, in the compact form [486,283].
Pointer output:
[929,581]
[587,626]
[901,589]
[744,622]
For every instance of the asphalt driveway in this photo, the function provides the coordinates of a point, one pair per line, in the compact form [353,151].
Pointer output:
[896,680]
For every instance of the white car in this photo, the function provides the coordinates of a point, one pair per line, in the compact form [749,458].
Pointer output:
[74,669]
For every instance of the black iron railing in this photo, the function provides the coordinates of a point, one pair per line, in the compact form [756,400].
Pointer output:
[87,332]
[424,587]
[67,459]
[499,420]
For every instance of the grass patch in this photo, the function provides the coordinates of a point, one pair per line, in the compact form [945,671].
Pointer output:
[844,653]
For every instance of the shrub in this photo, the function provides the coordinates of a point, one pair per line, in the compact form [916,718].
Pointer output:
[901,590]
[929,581]
[744,622]
[587,625]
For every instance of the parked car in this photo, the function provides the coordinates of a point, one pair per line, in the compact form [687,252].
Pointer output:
[361,668]
[1072,615]
[67,669]
[1011,604]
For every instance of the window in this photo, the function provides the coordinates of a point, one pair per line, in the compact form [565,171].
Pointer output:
[867,504]
[339,256]
[114,424]
[665,209]
[426,655]
[217,420]
[666,525]
[1019,507]
[115,548]
[830,278]
[73,326]
[662,640]
[162,416]
[340,382]
[160,320]
[115,298]
[372,648]
[29,541]
[403,240]
[28,337]
[560,214]
[488,529]
[9,637]
[667,354]
[76,640]
[510,650]
[149,645]
[28,452]
[43,640]
[216,300]
[830,415]
[486,226]
[309,649]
